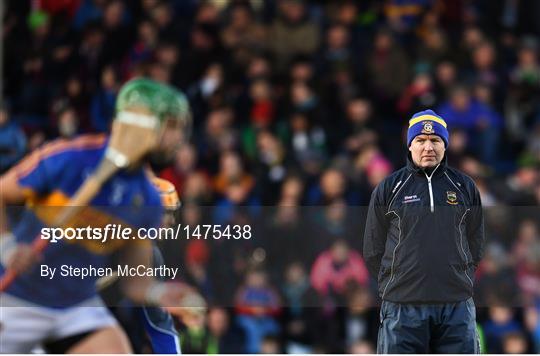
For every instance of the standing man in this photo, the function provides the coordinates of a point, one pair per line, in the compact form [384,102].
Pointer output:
[424,239]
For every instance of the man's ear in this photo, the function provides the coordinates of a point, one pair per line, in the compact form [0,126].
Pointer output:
[410,149]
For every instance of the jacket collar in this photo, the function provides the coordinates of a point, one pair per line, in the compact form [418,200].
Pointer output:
[413,168]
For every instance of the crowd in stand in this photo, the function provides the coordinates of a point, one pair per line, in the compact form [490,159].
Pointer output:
[300,109]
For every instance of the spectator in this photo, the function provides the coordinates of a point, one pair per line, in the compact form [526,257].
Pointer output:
[168,58]
[226,337]
[532,321]
[92,55]
[433,48]
[336,267]
[185,164]
[297,296]
[445,79]
[197,255]
[518,187]
[89,10]
[118,33]
[495,277]
[296,285]
[307,141]
[337,52]
[218,136]
[271,170]
[75,96]
[370,168]
[528,275]
[205,90]
[361,347]
[515,343]
[521,108]
[472,37]
[257,305]
[34,93]
[204,50]
[195,338]
[243,36]
[143,48]
[302,70]
[501,321]
[418,96]
[102,109]
[479,121]
[332,187]
[232,172]
[197,189]
[261,114]
[402,15]
[292,33]
[360,320]
[68,122]
[484,70]
[388,68]
[285,224]
[361,128]
[527,236]
[270,345]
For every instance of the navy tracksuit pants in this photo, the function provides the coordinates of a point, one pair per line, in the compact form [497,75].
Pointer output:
[428,328]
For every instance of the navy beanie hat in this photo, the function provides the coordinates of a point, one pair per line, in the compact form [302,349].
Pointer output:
[429,123]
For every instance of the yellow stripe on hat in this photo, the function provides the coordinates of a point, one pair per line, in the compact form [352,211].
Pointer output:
[427,117]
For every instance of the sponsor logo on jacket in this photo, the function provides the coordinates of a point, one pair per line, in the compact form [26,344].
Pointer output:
[410,199]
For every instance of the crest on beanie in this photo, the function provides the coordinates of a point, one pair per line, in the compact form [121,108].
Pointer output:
[428,128]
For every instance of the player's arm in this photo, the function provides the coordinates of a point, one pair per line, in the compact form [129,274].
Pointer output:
[13,255]
[136,287]
[16,186]
[146,290]
[11,192]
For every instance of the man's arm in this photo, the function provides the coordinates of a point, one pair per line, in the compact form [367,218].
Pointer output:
[375,232]
[475,228]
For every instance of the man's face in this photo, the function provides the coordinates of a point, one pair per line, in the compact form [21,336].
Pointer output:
[427,150]
[170,141]
[172,138]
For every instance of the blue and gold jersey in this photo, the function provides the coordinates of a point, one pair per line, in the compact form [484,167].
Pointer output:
[50,176]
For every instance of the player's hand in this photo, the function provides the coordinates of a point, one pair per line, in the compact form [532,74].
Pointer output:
[182,301]
[23,258]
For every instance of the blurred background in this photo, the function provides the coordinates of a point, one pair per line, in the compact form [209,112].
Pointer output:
[301,106]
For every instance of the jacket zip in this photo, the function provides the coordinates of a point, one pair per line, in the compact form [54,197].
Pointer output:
[431,202]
